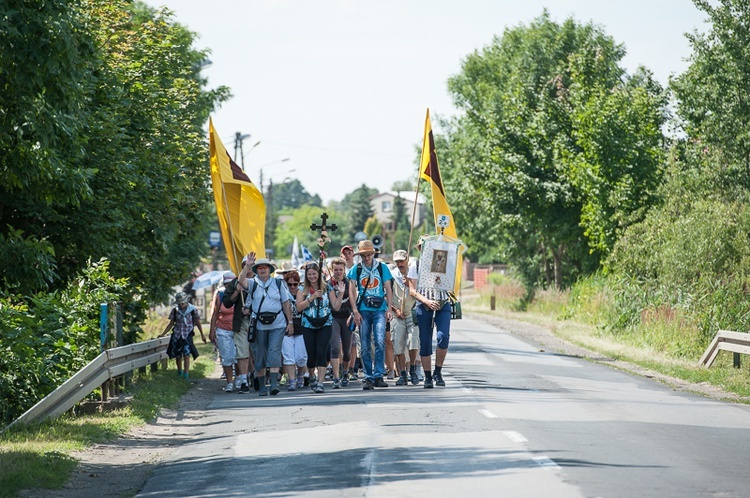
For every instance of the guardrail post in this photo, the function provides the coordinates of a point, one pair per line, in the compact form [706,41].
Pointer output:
[103,333]
[736,360]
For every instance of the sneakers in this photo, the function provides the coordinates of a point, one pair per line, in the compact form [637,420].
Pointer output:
[428,384]
[368,385]
[292,386]
[301,382]
[244,388]
[401,380]
[379,382]
[414,377]
[438,379]
[229,388]
[275,390]
[345,380]
[336,383]
[263,391]
[319,388]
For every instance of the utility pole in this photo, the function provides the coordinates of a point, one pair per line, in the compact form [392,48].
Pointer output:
[238,139]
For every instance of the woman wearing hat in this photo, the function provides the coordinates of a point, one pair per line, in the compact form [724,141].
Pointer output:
[268,300]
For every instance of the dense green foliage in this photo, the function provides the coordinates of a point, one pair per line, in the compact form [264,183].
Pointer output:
[102,148]
[356,207]
[103,157]
[297,224]
[51,336]
[557,151]
[687,264]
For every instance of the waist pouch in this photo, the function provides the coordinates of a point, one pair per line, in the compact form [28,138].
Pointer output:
[317,322]
[373,301]
[267,317]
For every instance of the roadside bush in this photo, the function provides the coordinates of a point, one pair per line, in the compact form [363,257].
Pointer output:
[682,275]
[46,338]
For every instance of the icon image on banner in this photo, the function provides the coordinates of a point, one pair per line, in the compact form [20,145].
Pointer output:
[443,221]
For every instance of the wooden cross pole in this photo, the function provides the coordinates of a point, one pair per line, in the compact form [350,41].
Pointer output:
[323,227]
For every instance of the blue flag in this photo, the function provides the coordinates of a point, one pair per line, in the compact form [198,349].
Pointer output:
[306,254]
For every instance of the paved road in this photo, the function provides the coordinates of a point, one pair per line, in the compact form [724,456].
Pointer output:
[512,421]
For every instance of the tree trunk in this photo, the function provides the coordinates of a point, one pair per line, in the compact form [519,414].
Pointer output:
[549,277]
[559,253]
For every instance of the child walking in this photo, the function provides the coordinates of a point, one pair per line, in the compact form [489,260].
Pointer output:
[182,320]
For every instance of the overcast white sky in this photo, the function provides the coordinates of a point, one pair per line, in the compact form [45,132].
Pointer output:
[340,87]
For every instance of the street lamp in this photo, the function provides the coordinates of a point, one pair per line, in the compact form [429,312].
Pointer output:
[269,164]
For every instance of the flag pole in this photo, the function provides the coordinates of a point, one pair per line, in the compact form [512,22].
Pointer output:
[416,195]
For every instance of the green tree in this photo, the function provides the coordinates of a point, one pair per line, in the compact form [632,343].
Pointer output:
[46,59]
[134,117]
[357,206]
[296,223]
[404,185]
[292,195]
[690,254]
[546,110]
[712,94]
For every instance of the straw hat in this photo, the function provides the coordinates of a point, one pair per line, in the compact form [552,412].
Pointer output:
[365,247]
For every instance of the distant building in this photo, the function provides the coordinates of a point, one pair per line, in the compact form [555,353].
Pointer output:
[382,206]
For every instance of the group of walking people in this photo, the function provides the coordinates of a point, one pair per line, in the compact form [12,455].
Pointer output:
[265,326]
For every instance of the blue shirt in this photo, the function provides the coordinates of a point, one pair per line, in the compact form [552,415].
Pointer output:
[371,277]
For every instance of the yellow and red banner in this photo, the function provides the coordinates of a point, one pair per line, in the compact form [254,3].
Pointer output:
[430,172]
[239,204]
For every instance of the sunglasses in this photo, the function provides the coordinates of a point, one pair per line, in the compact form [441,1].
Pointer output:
[292,283]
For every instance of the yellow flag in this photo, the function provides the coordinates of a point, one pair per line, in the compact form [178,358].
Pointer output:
[239,205]
[430,172]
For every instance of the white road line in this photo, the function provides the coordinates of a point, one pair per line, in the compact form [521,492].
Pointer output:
[546,463]
[487,413]
[514,436]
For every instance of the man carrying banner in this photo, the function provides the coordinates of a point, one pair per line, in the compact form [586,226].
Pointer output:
[432,284]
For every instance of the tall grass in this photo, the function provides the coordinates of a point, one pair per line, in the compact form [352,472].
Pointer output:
[625,320]
[38,455]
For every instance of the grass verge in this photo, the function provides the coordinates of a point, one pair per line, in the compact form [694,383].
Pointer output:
[655,348]
[39,455]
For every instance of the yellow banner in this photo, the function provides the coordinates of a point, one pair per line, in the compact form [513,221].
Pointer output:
[430,172]
[239,205]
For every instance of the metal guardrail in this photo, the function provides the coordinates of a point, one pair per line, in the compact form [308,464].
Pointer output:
[108,365]
[725,340]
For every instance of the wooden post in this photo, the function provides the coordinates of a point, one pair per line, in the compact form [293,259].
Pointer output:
[492,302]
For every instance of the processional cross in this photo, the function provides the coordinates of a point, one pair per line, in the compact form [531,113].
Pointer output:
[323,240]
[323,227]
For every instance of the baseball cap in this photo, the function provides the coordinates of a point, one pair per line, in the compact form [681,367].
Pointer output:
[400,255]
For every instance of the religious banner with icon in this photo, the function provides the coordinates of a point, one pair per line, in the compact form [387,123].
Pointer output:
[437,264]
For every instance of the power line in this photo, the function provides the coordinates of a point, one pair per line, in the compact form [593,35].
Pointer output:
[327,149]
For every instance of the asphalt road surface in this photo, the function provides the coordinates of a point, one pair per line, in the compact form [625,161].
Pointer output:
[512,421]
